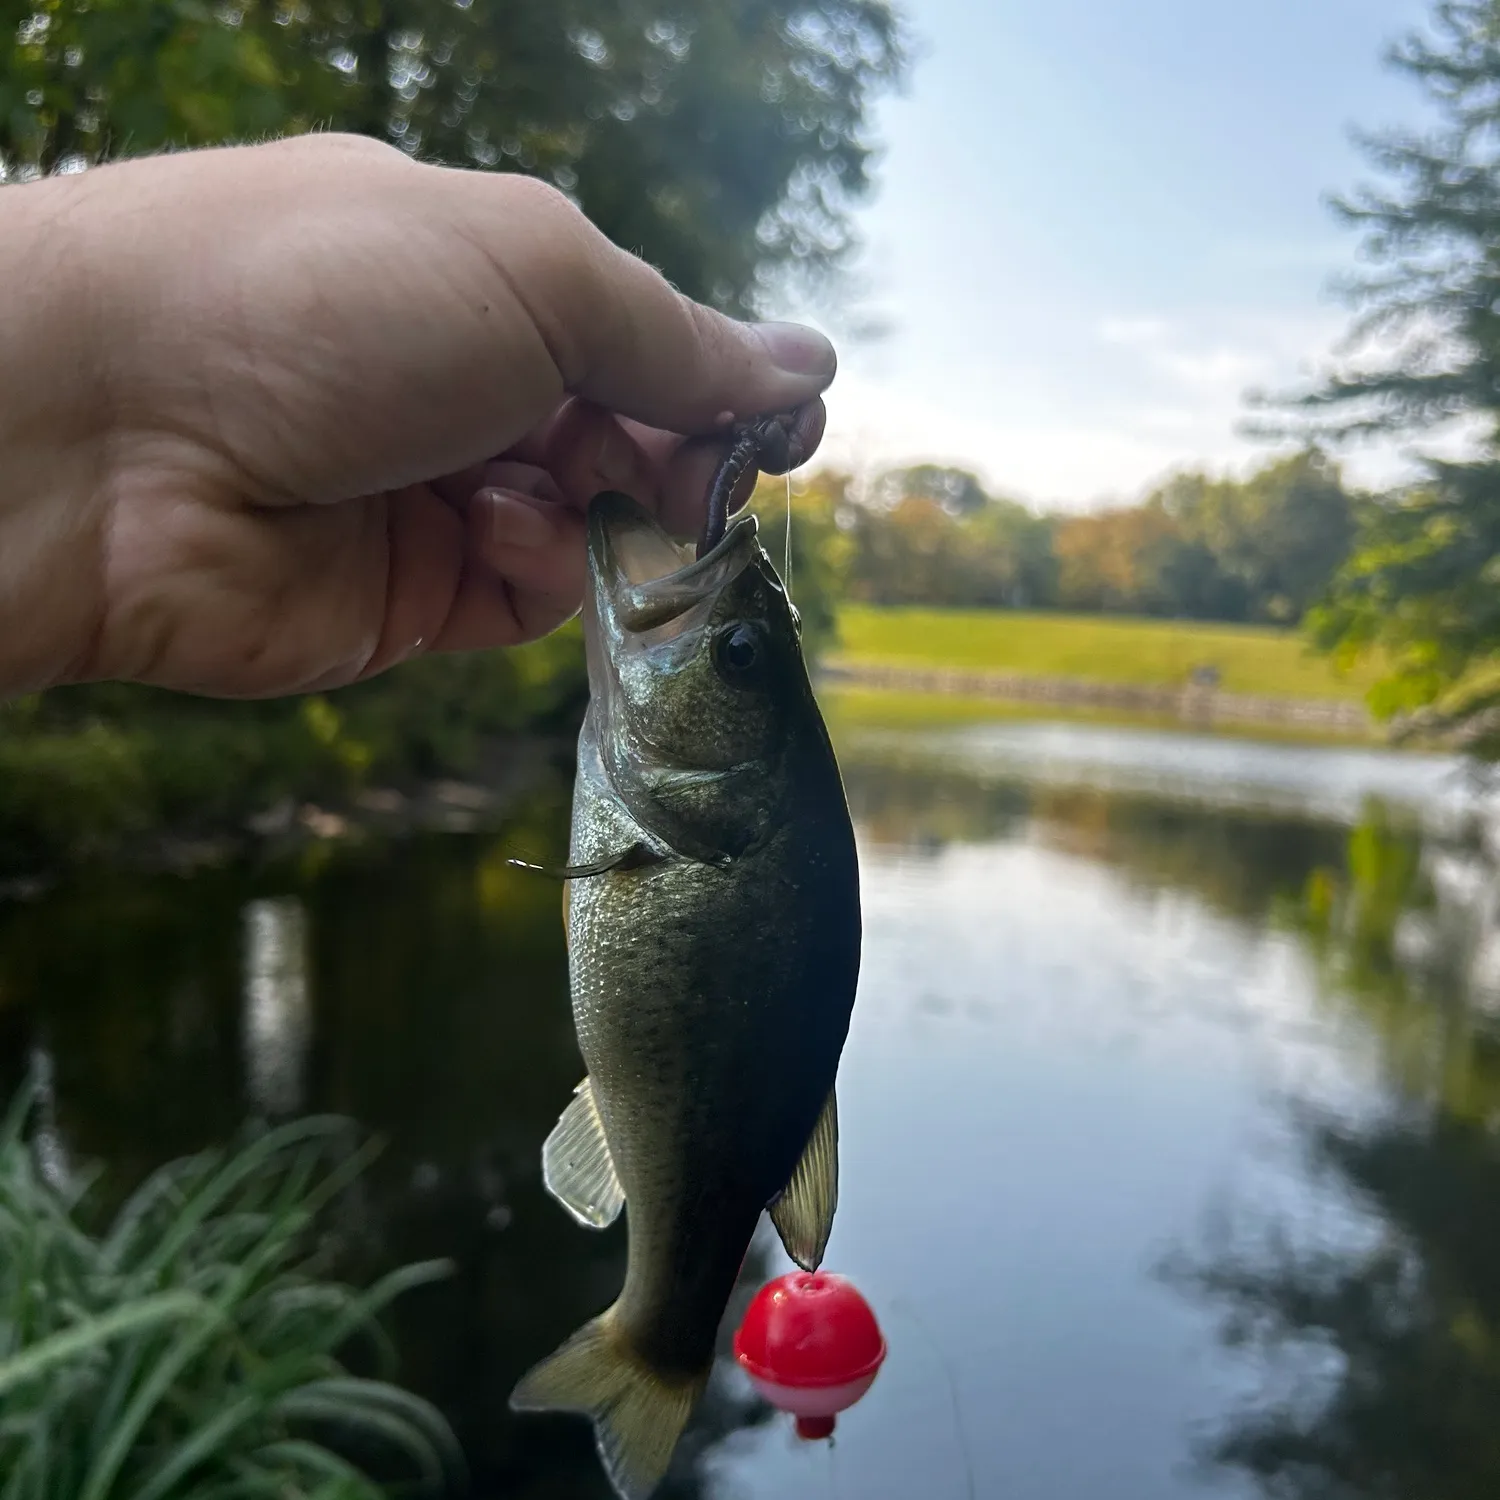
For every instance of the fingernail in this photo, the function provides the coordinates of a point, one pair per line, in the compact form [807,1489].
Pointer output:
[798,350]
[512,522]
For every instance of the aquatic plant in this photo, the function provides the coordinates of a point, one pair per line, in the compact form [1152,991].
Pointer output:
[194,1347]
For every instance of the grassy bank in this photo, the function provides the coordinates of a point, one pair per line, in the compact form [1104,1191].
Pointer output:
[850,710]
[1162,653]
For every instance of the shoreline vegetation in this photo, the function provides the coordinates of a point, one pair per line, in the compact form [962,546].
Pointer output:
[1194,705]
[448,744]
[927,594]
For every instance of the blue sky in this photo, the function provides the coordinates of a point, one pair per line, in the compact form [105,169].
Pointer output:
[1098,222]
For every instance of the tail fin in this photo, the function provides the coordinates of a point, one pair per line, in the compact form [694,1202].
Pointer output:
[638,1414]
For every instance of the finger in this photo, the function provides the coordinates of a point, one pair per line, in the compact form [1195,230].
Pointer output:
[408,320]
[424,561]
[686,468]
[456,489]
[586,449]
[613,329]
[524,574]
[540,547]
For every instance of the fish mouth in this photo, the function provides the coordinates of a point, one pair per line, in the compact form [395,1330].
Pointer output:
[642,578]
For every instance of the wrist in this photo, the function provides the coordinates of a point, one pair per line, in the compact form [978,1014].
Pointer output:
[53,437]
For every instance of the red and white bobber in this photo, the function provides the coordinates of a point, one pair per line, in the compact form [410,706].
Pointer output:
[811,1346]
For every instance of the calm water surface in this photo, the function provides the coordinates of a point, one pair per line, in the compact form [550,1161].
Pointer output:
[1169,1115]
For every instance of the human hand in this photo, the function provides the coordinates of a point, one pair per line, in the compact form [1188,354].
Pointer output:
[286,415]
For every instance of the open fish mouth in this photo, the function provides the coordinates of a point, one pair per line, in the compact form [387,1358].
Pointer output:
[642,579]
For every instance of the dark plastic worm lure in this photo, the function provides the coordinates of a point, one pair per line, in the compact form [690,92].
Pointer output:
[773,445]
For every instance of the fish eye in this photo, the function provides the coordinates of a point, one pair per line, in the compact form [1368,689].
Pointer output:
[739,653]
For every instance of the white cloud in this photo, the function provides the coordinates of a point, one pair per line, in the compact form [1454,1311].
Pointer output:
[1048,421]
[1228,349]
[1069,464]
[1134,332]
[1214,369]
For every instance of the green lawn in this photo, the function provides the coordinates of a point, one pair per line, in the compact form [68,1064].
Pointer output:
[1250,659]
[851,711]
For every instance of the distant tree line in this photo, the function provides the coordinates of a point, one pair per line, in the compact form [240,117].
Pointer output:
[1259,549]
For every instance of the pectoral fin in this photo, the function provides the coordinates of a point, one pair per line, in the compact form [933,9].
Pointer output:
[803,1214]
[577,1167]
[630,858]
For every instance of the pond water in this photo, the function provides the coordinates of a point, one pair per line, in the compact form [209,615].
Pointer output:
[1170,1114]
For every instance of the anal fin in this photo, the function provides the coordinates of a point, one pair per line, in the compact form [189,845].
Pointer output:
[577,1167]
[803,1214]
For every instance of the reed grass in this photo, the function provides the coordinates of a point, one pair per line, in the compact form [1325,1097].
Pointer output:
[193,1347]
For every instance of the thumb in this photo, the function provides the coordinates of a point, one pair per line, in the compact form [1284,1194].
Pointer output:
[617,332]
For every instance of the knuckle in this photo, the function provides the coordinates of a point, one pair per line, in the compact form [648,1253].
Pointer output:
[345,142]
[538,197]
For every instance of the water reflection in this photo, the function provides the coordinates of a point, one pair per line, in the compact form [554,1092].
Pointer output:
[1094,1006]
[1238,858]
[1206,770]
[418,988]
[278,1022]
[51,1155]
[1377,1339]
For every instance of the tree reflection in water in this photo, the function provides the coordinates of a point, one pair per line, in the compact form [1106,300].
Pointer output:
[1382,1352]
[1377,1355]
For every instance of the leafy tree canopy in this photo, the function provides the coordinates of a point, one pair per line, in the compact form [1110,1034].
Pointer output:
[725,140]
[957,490]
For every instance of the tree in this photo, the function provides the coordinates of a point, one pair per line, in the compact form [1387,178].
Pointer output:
[932,535]
[1022,567]
[1423,584]
[957,490]
[1264,548]
[1112,560]
[725,140]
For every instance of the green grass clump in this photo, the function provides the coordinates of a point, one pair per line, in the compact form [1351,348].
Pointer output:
[1250,658]
[191,1350]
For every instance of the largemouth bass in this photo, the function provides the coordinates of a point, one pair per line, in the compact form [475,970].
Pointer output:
[714,936]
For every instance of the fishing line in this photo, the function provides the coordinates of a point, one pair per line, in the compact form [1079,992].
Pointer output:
[900,1305]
